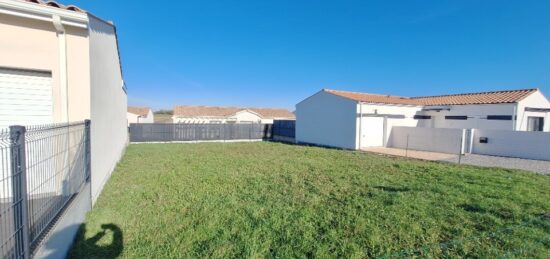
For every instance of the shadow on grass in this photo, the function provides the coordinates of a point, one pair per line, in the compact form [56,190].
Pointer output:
[392,189]
[474,208]
[91,247]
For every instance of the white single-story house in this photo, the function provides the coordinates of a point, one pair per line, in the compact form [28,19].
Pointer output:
[354,120]
[140,115]
[61,64]
[216,115]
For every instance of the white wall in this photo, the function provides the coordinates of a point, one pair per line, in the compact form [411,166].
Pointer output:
[327,119]
[386,110]
[131,118]
[134,118]
[427,139]
[239,117]
[34,45]
[109,135]
[535,100]
[149,118]
[522,144]
[478,114]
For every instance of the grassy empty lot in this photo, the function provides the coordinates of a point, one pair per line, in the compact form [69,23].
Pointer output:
[277,200]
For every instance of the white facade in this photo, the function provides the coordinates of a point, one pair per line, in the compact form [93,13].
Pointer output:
[136,118]
[244,116]
[536,100]
[59,66]
[109,133]
[331,120]
[327,120]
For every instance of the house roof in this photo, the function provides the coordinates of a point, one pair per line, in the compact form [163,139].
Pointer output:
[141,111]
[56,5]
[215,111]
[374,98]
[494,97]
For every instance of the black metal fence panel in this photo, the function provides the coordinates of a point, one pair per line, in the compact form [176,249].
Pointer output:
[284,128]
[161,132]
[41,168]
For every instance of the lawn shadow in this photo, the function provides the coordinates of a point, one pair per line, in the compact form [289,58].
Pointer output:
[474,208]
[89,248]
[392,189]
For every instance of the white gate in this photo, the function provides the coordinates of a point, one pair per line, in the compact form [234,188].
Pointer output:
[372,132]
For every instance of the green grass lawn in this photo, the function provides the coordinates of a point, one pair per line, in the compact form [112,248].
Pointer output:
[276,200]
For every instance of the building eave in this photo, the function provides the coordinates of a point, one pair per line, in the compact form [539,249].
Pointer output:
[43,13]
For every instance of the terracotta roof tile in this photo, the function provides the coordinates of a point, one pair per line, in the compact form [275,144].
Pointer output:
[506,96]
[374,98]
[214,111]
[494,97]
[141,111]
[56,5]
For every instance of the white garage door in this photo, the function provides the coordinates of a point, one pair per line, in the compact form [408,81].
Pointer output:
[372,132]
[25,97]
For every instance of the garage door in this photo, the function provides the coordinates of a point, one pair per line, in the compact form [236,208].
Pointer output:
[25,97]
[372,132]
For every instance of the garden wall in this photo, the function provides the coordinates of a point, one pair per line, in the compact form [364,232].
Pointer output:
[521,144]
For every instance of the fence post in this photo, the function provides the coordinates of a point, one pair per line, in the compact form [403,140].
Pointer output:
[19,183]
[88,149]
[407,147]
[461,148]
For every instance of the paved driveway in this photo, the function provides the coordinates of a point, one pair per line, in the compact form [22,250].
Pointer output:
[537,166]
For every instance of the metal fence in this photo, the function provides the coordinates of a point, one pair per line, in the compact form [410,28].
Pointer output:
[41,169]
[284,128]
[164,132]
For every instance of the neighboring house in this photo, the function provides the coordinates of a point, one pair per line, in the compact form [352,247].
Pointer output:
[356,120]
[140,115]
[212,114]
[61,64]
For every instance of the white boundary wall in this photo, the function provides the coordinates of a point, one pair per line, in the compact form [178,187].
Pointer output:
[428,139]
[109,131]
[521,144]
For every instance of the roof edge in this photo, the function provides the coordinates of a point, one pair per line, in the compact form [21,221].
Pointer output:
[532,90]
[43,12]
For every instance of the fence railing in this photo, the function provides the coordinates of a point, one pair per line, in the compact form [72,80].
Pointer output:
[41,169]
[165,132]
[284,128]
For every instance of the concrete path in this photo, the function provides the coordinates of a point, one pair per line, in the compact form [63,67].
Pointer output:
[537,166]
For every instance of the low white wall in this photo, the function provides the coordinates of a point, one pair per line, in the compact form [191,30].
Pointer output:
[521,144]
[427,139]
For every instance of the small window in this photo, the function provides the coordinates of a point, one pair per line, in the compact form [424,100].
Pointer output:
[456,117]
[500,117]
[422,117]
[535,124]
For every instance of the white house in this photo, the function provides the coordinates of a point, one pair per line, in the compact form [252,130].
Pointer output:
[61,64]
[140,115]
[213,114]
[358,120]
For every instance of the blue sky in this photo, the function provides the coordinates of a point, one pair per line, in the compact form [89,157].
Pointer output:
[276,53]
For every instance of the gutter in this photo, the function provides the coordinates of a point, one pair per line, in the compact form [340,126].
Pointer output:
[64,85]
[43,13]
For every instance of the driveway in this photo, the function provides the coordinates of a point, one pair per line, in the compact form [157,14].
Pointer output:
[538,166]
